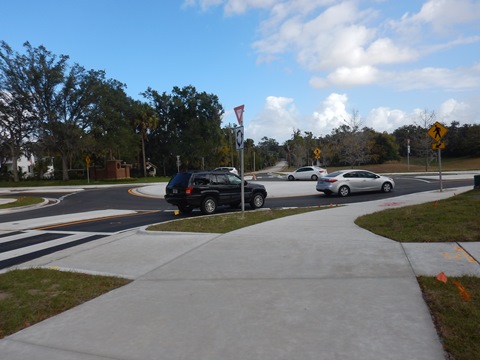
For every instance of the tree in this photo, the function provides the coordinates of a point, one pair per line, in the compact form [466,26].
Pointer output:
[145,121]
[189,126]
[269,152]
[60,96]
[422,142]
[17,127]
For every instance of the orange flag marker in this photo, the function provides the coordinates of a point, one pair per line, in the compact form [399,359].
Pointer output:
[442,277]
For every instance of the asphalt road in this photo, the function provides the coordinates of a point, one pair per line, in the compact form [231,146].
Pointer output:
[154,210]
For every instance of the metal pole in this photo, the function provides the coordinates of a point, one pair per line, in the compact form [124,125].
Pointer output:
[408,154]
[243,183]
[440,168]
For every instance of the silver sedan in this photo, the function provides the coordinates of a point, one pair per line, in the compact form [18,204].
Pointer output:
[307,173]
[344,182]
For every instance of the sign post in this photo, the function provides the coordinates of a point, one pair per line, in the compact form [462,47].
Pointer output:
[239,141]
[437,132]
[87,160]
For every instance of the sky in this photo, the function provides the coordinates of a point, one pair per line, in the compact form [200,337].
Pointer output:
[296,65]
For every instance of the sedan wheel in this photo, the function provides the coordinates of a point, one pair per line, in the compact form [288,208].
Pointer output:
[257,201]
[209,205]
[344,191]
[291,178]
[386,187]
[314,177]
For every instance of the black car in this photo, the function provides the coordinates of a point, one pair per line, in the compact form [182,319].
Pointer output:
[209,189]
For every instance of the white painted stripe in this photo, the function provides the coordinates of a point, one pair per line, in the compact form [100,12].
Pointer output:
[45,245]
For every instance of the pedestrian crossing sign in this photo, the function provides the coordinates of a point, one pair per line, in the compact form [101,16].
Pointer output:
[437,131]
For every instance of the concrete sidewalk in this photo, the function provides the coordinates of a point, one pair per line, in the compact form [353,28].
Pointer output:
[310,286]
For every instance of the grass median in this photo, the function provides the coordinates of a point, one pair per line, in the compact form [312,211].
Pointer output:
[227,222]
[19,201]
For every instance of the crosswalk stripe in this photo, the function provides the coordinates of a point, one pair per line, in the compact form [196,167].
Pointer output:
[13,254]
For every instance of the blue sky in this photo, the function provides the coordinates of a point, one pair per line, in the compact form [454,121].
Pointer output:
[295,64]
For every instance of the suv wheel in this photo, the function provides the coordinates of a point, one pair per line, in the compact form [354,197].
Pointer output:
[209,205]
[257,201]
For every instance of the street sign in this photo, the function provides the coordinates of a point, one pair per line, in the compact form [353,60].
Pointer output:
[437,131]
[87,160]
[239,137]
[317,153]
[239,113]
[438,145]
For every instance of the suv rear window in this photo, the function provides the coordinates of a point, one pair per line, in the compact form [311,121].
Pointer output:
[181,179]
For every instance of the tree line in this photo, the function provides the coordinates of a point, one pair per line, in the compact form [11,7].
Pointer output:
[351,144]
[53,109]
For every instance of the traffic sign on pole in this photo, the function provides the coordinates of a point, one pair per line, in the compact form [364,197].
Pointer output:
[437,131]
[239,137]
[239,113]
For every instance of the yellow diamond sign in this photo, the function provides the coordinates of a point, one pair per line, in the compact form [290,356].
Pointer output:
[437,131]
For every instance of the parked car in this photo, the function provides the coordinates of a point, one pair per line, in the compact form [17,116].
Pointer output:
[227,168]
[209,189]
[344,182]
[307,173]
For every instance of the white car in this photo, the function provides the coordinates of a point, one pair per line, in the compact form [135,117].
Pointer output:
[344,182]
[227,168]
[307,173]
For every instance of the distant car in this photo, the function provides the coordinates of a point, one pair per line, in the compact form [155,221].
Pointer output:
[307,173]
[344,182]
[207,190]
[227,168]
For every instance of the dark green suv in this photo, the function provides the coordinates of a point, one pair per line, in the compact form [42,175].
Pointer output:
[209,189]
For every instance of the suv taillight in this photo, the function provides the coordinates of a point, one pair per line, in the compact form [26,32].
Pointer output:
[188,191]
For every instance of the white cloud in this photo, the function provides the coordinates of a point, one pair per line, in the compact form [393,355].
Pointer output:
[385,119]
[278,119]
[331,115]
[435,78]
[442,14]
[453,110]
[344,76]
[459,79]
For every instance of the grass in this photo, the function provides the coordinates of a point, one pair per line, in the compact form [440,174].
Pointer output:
[455,307]
[431,222]
[228,222]
[20,201]
[30,296]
